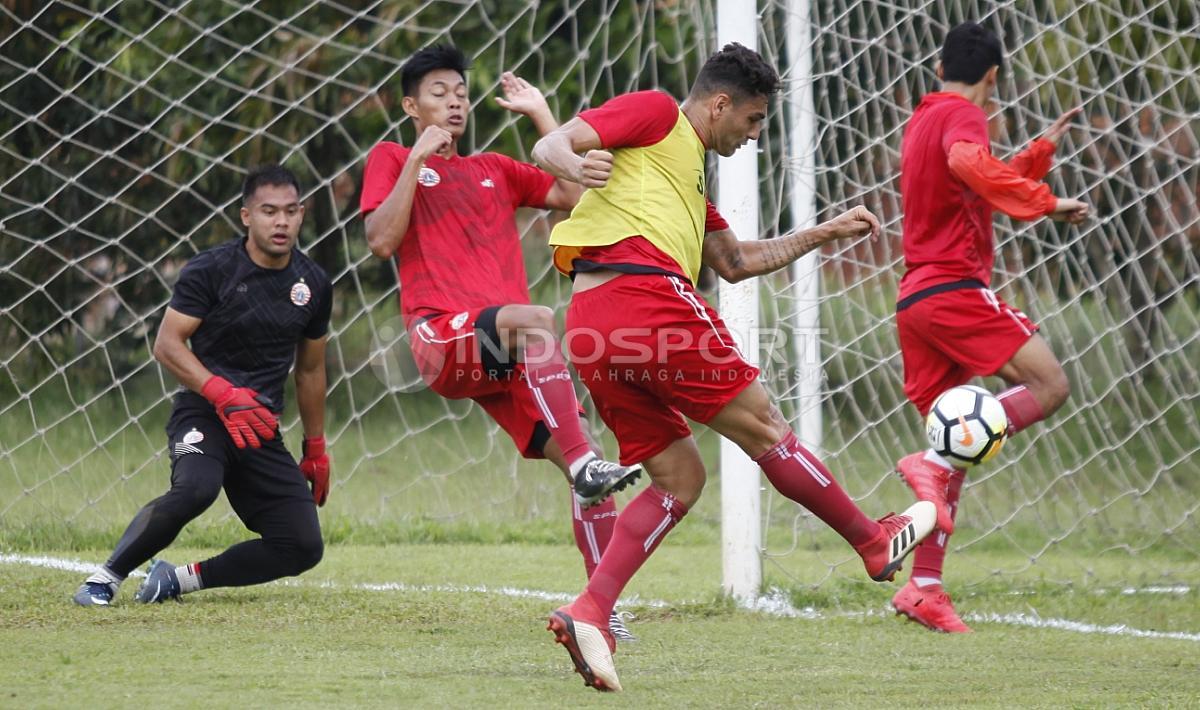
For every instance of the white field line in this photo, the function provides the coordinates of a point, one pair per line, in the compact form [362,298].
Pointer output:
[773,603]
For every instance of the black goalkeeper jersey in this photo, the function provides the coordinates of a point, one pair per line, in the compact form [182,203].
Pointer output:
[253,318]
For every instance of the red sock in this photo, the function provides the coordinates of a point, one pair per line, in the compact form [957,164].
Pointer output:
[640,527]
[1021,407]
[802,477]
[550,382]
[593,529]
[931,553]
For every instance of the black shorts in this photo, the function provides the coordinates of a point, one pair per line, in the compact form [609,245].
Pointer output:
[255,479]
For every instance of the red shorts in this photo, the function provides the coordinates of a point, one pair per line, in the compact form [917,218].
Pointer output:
[950,337]
[651,351]
[460,357]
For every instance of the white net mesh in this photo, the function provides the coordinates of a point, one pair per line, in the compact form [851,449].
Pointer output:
[126,127]
[1114,472]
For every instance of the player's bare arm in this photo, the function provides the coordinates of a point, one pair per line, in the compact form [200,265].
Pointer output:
[735,260]
[310,386]
[387,224]
[573,152]
[171,349]
[526,99]
[310,400]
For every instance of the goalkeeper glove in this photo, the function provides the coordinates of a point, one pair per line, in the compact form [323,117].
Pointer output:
[315,467]
[243,411]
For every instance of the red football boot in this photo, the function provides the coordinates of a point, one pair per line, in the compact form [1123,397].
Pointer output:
[929,606]
[591,647]
[929,482]
[897,537]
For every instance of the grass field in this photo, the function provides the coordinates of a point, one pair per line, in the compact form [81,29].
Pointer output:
[451,625]
[1076,561]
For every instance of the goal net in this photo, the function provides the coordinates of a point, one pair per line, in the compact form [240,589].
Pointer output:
[126,127]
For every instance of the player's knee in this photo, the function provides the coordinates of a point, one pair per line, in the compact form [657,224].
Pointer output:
[309,553]
[765,429]
[191,498]
[301,553]
[686,488]
[196,482]
[691,493]
[1057,390]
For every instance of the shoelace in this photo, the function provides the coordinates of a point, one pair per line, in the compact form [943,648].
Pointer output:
[942,598]
[601,466]
[893,523]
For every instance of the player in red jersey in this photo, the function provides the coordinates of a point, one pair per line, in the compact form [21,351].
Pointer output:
[449,219]
[653,352]
[952,327]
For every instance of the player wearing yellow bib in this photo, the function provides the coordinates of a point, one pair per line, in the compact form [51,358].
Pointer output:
[652,351]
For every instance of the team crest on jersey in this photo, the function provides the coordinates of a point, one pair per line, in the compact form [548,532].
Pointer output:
[457,321]
[428,177]
[487,182]
[301,294]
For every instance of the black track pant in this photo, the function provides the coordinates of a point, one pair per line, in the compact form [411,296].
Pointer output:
[264,487]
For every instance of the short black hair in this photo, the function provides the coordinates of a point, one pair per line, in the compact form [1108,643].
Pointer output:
[969,52]
[438,56]
[738,71]
[269,174]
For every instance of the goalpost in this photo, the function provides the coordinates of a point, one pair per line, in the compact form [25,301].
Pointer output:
[126,127]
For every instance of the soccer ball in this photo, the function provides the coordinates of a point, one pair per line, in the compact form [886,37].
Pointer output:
[966,425]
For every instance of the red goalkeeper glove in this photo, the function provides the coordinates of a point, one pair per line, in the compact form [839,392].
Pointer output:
[243,411]
[315,467]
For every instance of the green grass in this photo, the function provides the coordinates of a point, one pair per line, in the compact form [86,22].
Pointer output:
[321,641]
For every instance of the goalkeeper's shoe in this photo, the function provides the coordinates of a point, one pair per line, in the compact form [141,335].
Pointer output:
[591,647]
[599,478]
[929,481]
[616,627]
[95,594]
[161,584]
[929,606]
[897,536]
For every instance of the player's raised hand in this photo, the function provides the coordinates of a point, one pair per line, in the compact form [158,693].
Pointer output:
[520,96]
[1061,125]
[595,168]
[432,140]
[315,467]
[243,411]
[854,222]
[1070,211]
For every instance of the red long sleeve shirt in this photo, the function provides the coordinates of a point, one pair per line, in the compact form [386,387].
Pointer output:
[950,183]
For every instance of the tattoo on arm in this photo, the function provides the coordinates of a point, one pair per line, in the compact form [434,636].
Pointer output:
[733,257]
[778,252]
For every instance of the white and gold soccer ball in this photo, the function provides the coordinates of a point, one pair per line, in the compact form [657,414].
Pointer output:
[966,425]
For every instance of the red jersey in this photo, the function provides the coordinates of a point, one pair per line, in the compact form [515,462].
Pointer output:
[949,191]
[635,120]
[462,249]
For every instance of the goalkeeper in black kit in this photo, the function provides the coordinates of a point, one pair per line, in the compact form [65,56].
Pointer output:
[250,308]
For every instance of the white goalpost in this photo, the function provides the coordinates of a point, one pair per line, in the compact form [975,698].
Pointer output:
[738,202]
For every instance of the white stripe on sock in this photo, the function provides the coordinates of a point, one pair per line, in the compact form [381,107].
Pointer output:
[658,531]
[589,531]
[541,402]
[813,471]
